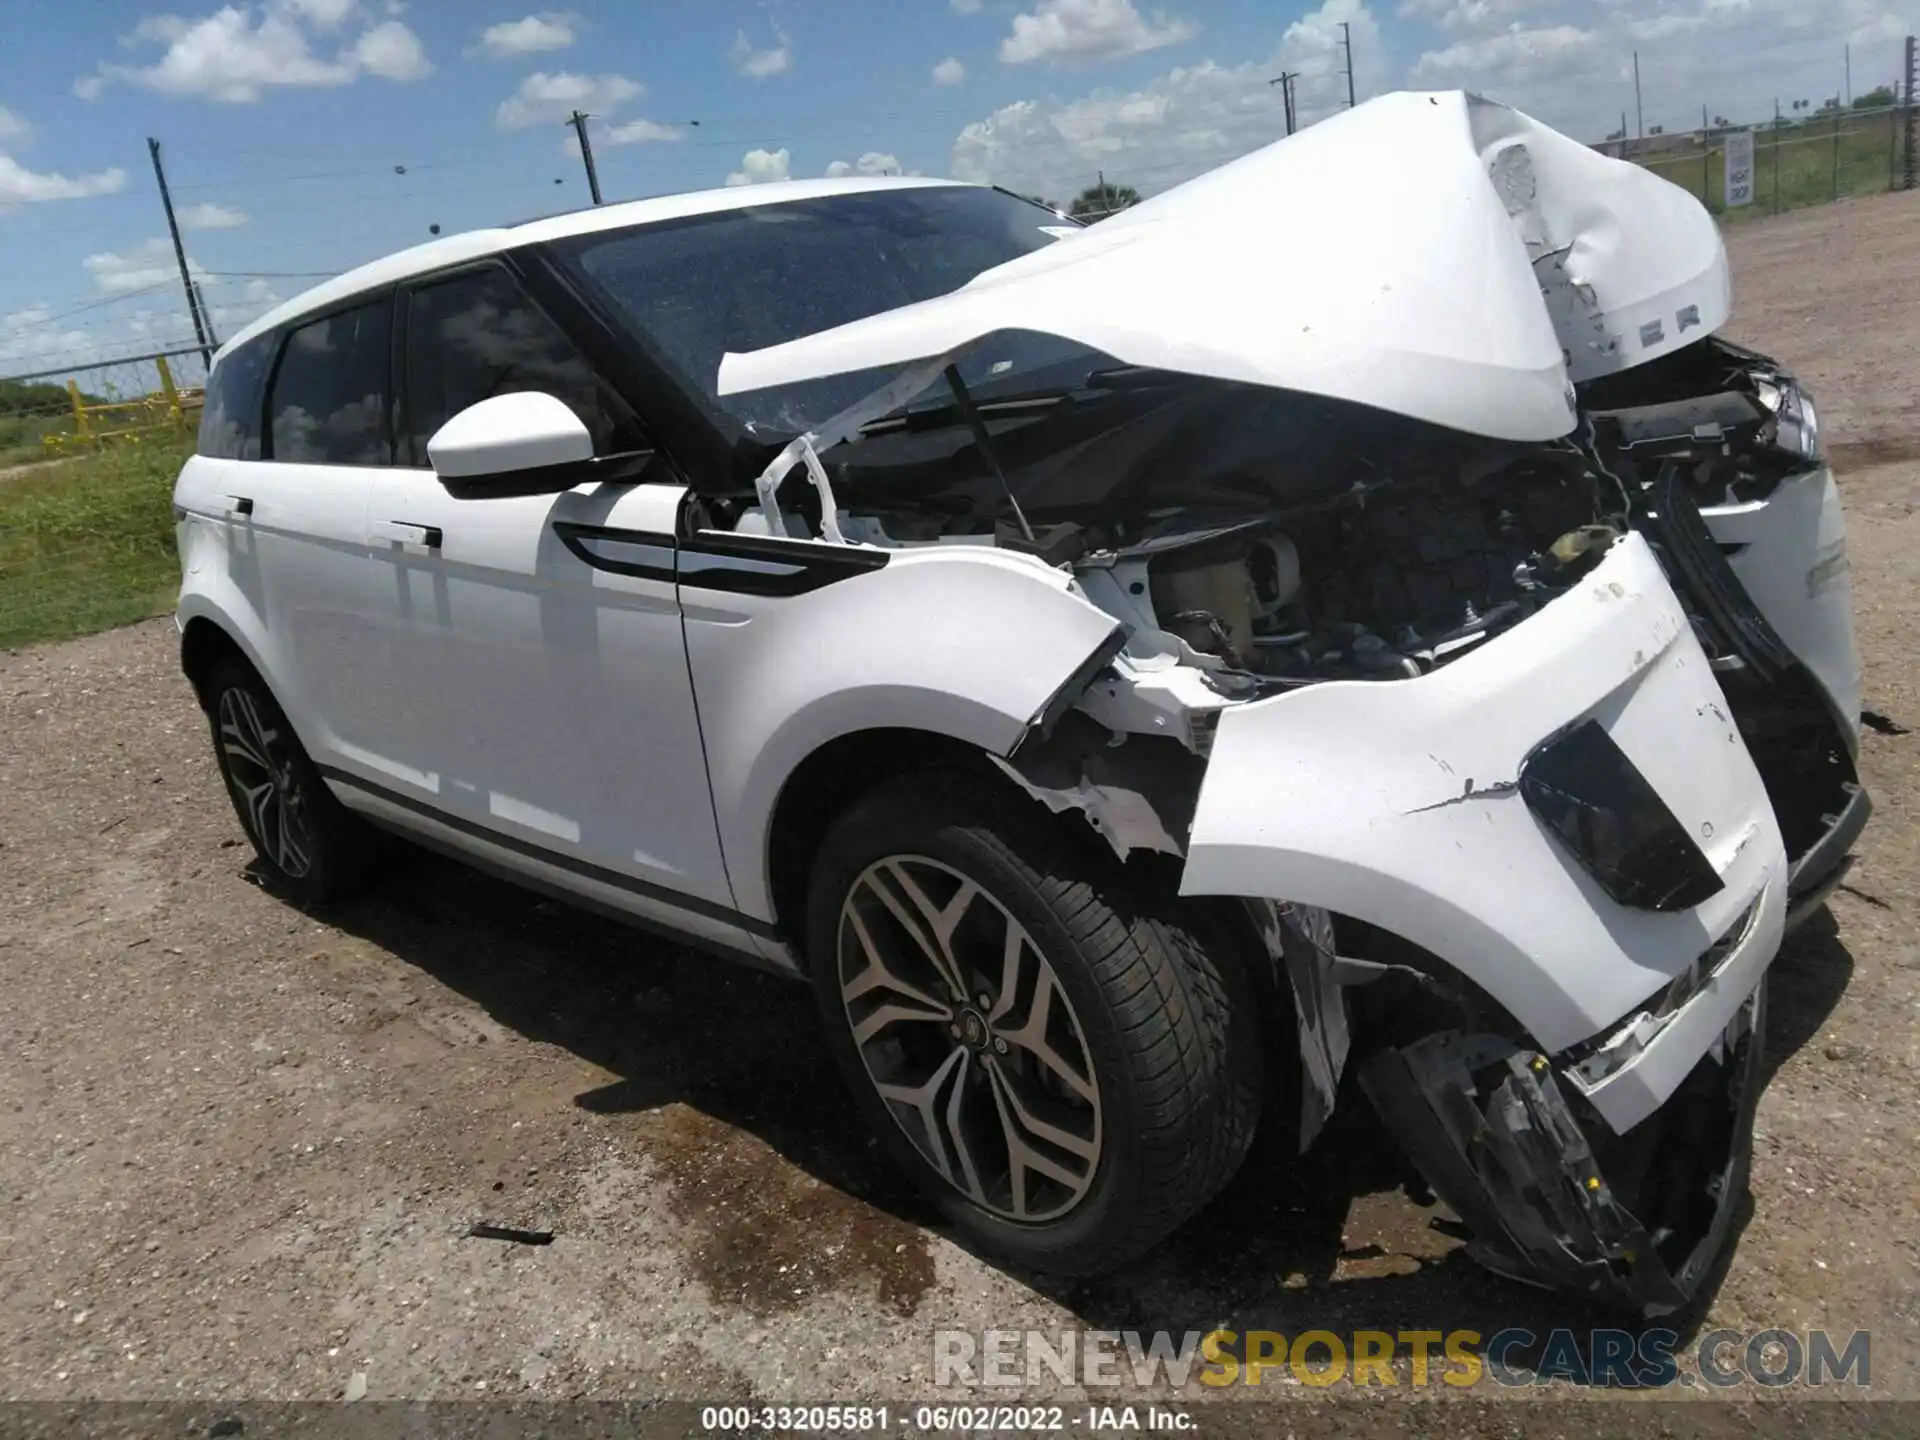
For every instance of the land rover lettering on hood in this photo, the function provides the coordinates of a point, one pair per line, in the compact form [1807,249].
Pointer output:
[1354,611]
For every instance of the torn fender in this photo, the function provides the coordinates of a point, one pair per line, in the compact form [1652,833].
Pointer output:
[1397,802]
[1500,262]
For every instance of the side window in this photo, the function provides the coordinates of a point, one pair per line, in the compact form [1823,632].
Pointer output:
[478,335]
[328,402]
[230,419]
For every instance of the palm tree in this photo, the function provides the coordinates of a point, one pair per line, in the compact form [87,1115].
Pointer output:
[1096,202]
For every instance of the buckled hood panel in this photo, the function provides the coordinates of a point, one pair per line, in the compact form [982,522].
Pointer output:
[1436,255]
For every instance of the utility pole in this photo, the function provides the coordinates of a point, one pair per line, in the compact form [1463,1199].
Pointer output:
[1346,43]
[206,315]
[1849,89]
[1907,113]
[1285,81]
[579,122]
[180,254]
[1776,157]
[1639,111]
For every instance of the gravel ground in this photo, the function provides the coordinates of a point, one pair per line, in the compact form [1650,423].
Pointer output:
[240,1147]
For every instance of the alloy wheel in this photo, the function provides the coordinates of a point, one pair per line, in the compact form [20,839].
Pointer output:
[969,1038]
[259,769]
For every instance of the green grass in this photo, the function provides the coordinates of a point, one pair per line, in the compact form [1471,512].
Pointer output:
[23,437]
[88,544]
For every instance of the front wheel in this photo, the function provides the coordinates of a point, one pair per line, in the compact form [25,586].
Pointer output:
[1061,1064]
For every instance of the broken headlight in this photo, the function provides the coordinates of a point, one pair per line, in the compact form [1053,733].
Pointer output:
[1796,421]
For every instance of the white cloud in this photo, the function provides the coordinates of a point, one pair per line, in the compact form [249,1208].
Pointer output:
[1083,32]
[321,14]
[640,132]
[209,216]
[149,263]
[874,162]
[13,126]
[1517,55]
[393,52]
[21,186]
[761,63]
[549,98]
[949,72]
[549,30]
[1175,126]
[236,53]
[758,167]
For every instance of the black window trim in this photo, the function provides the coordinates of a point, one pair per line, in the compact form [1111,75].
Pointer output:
[404,292]
[267,344]
[284,333]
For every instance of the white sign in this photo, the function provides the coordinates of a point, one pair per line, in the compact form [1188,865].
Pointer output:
[1739,168]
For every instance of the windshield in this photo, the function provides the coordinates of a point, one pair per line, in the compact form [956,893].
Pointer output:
[745,279]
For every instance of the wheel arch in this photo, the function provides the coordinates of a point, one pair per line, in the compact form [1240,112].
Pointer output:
[204,642]
[829,779]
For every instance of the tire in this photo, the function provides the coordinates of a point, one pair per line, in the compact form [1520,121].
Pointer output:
[1138,1103]
[310,846]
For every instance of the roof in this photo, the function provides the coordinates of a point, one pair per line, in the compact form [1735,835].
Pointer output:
[473,244]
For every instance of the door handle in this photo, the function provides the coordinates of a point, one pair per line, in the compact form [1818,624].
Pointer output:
[407,532]
[239,505]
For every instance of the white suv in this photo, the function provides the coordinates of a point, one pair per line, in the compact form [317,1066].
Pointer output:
[1125,671]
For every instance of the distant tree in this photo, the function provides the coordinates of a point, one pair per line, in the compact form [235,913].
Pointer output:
[1096,202]
[1656,130]
[1876,99]
[1832,102]
[1616,135]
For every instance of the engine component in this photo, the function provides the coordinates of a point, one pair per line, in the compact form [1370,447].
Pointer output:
[1206,595]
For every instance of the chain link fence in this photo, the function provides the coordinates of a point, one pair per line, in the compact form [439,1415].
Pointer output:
[50,414]
[88,457]
[1810,160]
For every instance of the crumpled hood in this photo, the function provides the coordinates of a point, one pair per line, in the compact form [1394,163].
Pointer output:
[1437,255]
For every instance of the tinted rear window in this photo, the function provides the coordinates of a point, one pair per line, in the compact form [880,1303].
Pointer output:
[328,404]
[230,420]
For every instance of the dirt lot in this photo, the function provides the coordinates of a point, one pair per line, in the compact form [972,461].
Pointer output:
[240,1147]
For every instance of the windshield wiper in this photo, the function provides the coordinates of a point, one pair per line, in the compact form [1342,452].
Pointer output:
[938,417]
[1095,385]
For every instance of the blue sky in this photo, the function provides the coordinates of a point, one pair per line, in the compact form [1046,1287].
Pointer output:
[309,135]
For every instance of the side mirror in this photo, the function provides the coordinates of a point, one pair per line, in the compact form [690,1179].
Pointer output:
[523,444]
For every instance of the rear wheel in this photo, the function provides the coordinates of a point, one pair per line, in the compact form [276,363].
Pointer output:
[1059,1063]
[310,846]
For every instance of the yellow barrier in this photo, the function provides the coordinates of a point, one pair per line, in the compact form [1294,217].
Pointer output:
[130,421]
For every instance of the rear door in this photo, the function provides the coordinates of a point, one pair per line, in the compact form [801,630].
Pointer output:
[296,523]
[540,636]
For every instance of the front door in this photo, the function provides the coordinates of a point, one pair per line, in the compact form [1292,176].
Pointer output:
[539,638]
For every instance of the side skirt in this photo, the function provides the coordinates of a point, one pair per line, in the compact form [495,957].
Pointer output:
[603,892]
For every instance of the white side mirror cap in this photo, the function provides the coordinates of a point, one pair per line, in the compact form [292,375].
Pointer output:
[505,433]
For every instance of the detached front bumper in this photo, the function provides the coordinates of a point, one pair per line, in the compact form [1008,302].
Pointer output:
[1553,1198]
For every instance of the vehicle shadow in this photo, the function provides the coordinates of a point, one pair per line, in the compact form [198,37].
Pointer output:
[1321,1241]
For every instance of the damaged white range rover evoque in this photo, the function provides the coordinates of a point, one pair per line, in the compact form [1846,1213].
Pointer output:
[1351,612]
